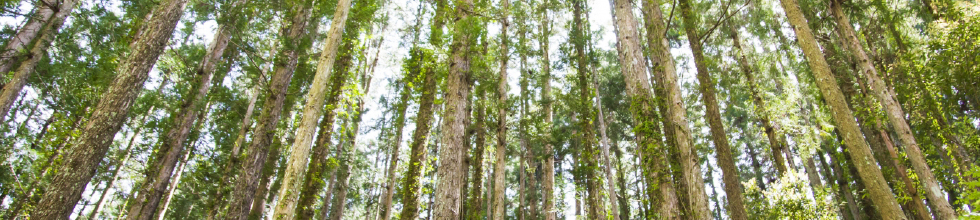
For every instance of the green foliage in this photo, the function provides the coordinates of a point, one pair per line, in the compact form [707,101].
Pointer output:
[789,198]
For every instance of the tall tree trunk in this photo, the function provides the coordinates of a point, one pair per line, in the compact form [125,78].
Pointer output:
[451,153]
[660,187]
[82,162]
[894,113]
[262,193]
[473,209]
[880,194]
[45,19]
[146,203]
[173,186]
[289,195]
[412,185]
[286,61]
[610,184]
[499,170]
[588,161]
[11,89]
[312,184]
[723,151]
[119,165]
[548,180]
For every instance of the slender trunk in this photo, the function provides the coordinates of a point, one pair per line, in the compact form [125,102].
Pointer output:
[499,169]
[262,194]
[233,158]
[451,153]
[895,115]
[286,61]
[548,181]
[389,193]
[340,199]
[292,188]
[473,205]
[150,195]
[82,162]
[588,163]
[173,186]
[605,145]
[318,159]
[119,165]
[871,175]
[845,189]
[412,185]
[733,187]
[771,131]
[11,89]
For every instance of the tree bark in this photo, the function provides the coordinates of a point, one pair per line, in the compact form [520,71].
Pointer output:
[82,162]
[474,210]
[895,114]
[173,186]
[880,194]
[289,195]
[262,193]
[589,158]
[548,180]
[412,184]
[499,170]
[11,89]
[256,154]
[723,151]
[451,153]
[660,186]
[313,183]
[146,204]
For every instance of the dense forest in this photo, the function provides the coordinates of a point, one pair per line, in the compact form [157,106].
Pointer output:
[489,109]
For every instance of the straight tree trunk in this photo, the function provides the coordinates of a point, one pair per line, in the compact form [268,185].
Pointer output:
[173,186]
[262,194]
[451,153]
[119,165]
[82,162]
[610,184]
[499,170]
[548,180]
[233,158]
[589,157]
[286,61]
[412,183]
[146,203]
[895,114]
[312,184]
[289,195]
[660,186]
[880,193]
[474,210]
[723,151]
[11,89]
[401,108]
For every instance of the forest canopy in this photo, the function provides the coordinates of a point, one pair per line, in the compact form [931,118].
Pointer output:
[489,109]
